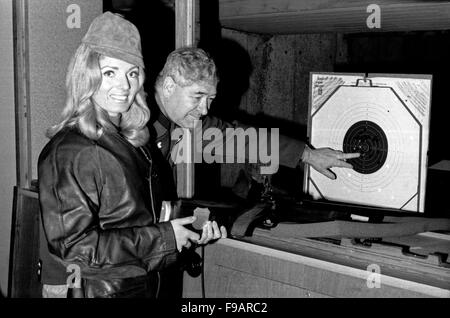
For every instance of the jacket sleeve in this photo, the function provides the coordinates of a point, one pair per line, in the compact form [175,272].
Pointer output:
[289,150]
[93,219]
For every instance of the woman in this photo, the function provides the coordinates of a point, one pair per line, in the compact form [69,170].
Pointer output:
[97,187]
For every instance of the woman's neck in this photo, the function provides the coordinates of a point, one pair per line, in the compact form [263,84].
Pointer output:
[115,120]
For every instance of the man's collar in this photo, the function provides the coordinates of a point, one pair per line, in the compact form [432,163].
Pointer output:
[159,116]
[163,120]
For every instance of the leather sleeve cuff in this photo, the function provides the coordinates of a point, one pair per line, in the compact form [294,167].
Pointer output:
[168,237]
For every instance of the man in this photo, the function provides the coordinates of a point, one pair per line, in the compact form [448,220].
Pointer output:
[184,91]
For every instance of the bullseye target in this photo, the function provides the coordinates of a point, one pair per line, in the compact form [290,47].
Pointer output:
[379,123]
[370,141]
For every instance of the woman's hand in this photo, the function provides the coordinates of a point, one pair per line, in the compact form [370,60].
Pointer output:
[183,236]
[211,232]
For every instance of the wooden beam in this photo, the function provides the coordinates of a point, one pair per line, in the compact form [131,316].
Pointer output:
[235,268]
[350,16]
[185,35]
[22,96]
[234,8]
[185,23]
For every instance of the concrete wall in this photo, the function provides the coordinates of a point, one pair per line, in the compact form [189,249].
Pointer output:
[7,137]
[280,67]
[51,45]
[269,76]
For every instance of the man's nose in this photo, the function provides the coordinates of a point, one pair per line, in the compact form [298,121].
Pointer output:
[204,107]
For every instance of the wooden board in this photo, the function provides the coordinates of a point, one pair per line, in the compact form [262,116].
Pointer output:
[241,269]
[24,279]
[185,35]
[316,16]
[8,133]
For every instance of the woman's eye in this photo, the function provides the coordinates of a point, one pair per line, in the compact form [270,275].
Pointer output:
[134,74]
[109,73]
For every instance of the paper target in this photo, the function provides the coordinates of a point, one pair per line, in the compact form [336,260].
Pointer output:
[379,124]
[370,141]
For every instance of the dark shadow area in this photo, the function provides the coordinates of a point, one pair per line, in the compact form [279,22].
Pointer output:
[235,68]
[234,71]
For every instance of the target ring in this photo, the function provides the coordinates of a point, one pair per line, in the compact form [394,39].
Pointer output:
[370,141]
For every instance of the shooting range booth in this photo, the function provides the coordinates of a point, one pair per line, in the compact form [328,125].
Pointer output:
[267,50]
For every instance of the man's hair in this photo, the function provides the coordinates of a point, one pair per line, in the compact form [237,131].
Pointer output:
[188,65]
[83,79]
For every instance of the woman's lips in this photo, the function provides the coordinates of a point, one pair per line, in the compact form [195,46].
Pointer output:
[119,98]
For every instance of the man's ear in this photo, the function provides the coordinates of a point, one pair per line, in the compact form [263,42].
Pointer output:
[168,86]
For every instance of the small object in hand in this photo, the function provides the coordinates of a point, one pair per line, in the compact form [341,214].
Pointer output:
[202,215]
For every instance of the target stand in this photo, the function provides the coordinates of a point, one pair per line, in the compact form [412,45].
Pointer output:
[383,117]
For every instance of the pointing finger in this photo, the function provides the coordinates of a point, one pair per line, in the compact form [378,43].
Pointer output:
[348,155]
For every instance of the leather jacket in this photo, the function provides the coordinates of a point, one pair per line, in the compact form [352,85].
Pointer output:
[99,205]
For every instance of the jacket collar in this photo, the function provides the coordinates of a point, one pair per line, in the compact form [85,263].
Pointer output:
[161,124]
[163,120]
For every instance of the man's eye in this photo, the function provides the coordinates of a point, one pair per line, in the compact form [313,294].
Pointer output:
[108,73]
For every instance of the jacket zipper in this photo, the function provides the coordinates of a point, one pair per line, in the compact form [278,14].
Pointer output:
[149,178]
[153,207]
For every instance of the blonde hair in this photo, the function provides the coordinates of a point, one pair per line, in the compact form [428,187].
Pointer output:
[82,81]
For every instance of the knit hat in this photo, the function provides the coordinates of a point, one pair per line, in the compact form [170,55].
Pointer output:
[111,35]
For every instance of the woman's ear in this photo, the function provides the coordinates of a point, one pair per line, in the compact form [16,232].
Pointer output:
[168,86]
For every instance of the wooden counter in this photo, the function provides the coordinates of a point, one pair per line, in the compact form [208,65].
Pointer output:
[263,266]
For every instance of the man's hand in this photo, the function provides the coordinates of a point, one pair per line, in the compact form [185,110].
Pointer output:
[323,159]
